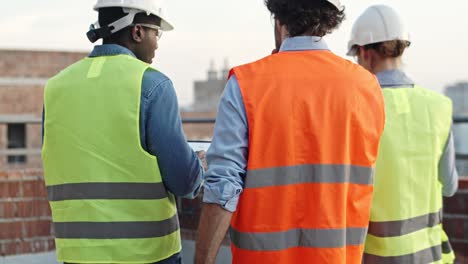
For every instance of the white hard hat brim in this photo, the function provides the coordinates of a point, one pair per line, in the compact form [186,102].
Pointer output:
[165,24]
[336,3]
[352,51]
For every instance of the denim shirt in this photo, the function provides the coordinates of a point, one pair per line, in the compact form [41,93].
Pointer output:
[447,170]
[228,153]
[161,133]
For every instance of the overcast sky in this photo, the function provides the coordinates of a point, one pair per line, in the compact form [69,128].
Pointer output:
[240,30]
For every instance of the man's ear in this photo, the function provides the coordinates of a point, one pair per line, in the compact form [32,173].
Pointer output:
[137,33]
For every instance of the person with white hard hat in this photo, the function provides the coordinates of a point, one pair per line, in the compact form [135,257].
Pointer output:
[291,163]
[114,151]
[416,162]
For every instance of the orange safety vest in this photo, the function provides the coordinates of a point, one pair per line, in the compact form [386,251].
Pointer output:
[315,122]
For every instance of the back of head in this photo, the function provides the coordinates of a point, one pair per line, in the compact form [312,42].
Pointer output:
[109,15]
[389,49]
[117,15]
[380,27]
[305,17]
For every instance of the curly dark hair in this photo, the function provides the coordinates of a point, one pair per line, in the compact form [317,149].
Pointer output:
[306,17]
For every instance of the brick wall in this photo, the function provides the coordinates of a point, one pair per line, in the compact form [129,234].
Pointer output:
[35,64]
[24,95]
[456,220]
[25,221]
[198,131]
[22,101]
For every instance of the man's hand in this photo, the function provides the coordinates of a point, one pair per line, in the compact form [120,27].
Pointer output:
[214,223]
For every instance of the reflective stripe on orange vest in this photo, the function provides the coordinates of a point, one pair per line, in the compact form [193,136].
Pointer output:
[315,122]
[308,174]
[314,238]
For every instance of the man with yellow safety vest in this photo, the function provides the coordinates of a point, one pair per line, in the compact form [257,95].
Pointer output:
[416,162]
[114,151]
[290,168]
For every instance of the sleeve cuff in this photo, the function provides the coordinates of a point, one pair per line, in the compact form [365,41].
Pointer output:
[213,196]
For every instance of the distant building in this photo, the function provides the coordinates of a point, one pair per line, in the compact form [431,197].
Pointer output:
[459,95]
[209,91]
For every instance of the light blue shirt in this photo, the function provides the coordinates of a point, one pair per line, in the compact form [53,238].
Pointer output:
[228,153]
[448,174]
[394,79]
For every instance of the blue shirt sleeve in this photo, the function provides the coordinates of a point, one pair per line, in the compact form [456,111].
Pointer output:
[448,174]
[162,136]
[228,153]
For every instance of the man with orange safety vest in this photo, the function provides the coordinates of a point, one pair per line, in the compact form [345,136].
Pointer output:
[294,148]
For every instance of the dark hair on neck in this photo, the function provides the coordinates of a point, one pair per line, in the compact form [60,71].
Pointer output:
[389,49]
[306,17]
[109,15]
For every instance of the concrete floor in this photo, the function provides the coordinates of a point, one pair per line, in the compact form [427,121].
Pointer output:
[188,250]
[42,258]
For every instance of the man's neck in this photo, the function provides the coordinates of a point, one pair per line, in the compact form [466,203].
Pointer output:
[387,64]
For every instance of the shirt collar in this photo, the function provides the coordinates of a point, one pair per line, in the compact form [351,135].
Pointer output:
[303,43]
[110,50]
[394,78]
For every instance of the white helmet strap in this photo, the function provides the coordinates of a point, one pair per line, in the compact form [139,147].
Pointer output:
[97,31]
[124,21]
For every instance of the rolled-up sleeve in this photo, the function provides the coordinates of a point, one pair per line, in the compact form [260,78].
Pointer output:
[448,174]
[227,155]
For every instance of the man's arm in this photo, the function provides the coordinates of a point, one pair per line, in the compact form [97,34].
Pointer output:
[181,170]
[448,174]
[214,223]
[227,162]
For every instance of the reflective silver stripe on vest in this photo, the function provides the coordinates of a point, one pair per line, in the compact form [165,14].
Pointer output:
[429,255]
[116,230]
[309,174]
[404,227]
[312,238]
[82,191]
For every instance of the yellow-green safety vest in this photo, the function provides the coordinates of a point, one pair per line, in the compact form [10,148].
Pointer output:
[406,212]
[109,204]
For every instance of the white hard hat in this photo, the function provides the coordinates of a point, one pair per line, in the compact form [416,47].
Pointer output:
[336,3]
[132,7]
[377,24]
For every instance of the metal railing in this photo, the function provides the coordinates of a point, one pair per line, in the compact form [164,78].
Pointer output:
[458,121]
